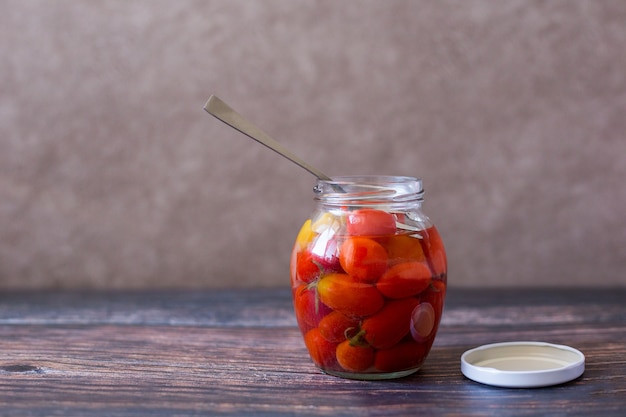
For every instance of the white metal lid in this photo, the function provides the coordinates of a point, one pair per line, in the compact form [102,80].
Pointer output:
[522,364]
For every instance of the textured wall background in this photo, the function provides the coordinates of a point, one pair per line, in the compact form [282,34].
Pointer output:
[112,175]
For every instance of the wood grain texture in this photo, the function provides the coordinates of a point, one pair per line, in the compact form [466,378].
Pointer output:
[240,353]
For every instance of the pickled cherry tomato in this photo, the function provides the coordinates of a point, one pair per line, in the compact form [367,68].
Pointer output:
[405,355]
[307,269]
[370,222]
[404,280]
[402,248]
[309,310]
[321,350]
[435,251]
[305,235]
[354,358]
[342,293]
[362,258]
[337,327]
[389,325]
[435,295]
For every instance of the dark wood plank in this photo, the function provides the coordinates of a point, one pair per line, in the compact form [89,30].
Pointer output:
[153,354]
[260,307]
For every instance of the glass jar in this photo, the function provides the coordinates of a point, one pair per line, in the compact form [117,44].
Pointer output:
[368,277]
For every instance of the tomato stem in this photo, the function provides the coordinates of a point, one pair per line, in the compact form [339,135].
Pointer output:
[358,339]
[348,333]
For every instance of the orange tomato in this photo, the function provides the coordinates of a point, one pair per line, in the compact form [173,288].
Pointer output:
[353,298]
[404,280]
[304,236]
[389,325]
[336,326]
[363,258]
[370,222]
[322,351]
[403,356]
[402,248]
[354,358]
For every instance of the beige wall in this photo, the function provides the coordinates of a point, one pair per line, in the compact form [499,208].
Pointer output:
[112,175]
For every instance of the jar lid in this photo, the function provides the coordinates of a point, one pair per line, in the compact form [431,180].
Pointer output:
[522,364]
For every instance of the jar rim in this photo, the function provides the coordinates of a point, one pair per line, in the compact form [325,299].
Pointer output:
[369,189]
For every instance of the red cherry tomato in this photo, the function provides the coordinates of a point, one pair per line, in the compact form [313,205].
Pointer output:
[435,295]
[354,358]
[435,251]
[307,269]
[403,356]
[308,307]
[363,258]
[404,280]
[337,327]
[389,325]
[322,351]
[370,222]
[342,293]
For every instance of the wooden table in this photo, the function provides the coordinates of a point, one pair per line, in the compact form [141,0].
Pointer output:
[173,353]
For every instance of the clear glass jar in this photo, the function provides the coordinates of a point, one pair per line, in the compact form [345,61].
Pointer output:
[368,277]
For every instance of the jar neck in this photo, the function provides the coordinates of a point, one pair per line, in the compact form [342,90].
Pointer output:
[392,193]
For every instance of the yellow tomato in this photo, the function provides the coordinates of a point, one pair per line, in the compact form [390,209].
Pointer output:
[305,235]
